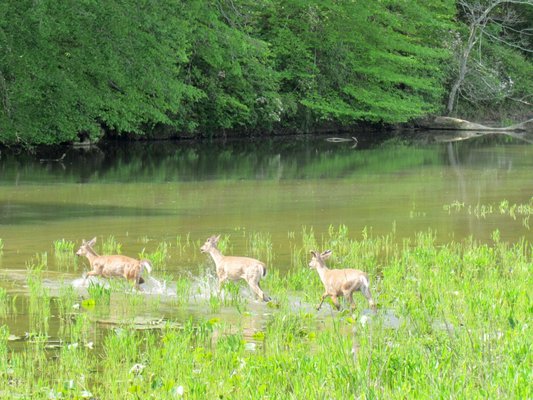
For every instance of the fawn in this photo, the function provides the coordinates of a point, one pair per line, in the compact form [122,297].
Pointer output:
[235,268]
[340,282]
[115,265]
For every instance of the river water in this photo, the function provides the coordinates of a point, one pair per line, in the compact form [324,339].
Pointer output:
[144,194]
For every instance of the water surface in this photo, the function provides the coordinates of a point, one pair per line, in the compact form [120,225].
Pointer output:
[144,194]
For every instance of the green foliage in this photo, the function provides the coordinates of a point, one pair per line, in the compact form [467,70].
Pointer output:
[352,61]
[81,70]
[69,68]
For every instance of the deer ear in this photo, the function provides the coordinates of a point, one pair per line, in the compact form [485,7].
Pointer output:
[314,253]
[216,238]
[325,255]
[92,241]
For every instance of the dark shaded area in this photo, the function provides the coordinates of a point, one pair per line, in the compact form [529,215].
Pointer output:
[38,213]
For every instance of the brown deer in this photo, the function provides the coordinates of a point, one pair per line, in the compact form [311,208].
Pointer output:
[340,282]
[115,265]
[235,268]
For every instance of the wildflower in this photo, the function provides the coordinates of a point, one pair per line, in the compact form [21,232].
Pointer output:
[137,369]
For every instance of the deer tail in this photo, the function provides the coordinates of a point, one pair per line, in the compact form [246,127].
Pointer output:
[145,264]
[365,289]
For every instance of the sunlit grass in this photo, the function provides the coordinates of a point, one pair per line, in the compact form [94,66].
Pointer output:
[453,321]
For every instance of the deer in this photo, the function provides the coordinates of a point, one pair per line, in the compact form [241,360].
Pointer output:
[235,268]
[340,282]
[113,265]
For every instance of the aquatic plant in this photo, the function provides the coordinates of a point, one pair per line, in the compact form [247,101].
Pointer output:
[39,296]
[259,245]
[99,294]
[4,303]
[111,246]
[453,321]
[64,252]
[63,247]
[504,208]
[159,257]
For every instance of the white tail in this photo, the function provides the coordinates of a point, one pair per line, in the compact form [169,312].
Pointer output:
[235,268]
[340,282]
[114,265]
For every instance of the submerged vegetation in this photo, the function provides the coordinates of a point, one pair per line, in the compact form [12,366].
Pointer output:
[515,211]
[453,321]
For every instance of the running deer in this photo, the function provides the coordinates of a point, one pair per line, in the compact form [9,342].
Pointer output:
[235,268]
[340,282]
[116,265]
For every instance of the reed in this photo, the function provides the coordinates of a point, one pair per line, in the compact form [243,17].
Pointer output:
[160,257]
[111,246]
[4,303]
[64,254]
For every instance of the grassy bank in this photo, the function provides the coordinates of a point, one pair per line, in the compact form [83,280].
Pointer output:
[453,321]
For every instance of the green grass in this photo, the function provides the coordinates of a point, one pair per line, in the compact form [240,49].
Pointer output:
[463,311]
[64,254]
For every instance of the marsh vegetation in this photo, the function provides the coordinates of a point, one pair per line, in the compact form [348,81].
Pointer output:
[452,319]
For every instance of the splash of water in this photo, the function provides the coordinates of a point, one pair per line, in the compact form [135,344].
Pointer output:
[155,286]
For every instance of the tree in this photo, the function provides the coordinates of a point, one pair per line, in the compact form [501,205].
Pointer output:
[485,75]
[348,62]
[70,68]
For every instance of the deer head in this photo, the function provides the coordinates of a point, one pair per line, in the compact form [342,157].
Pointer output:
[86,247]
[318,260]
[210,243]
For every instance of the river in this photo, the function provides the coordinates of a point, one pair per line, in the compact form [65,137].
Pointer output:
[144,194]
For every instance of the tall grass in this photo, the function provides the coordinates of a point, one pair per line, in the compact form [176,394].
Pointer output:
[64,253]
[463,330]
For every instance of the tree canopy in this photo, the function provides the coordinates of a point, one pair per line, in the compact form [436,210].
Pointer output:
[70,70]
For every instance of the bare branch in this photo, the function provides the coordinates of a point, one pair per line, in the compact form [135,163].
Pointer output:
[479,17]
[516,46]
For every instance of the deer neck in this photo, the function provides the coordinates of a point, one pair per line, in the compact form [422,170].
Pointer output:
[216,255]
[322,272]
[91,255]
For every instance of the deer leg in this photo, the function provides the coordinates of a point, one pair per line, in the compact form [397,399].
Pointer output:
[365,290]
[221,280]
[322,300]
[138,282]
[257,289]
[336,302]
[349,295]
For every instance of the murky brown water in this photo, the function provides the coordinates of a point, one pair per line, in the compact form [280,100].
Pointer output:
[147,193]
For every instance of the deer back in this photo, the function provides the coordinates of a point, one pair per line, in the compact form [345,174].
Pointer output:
[341,280]
[242,267]
[117,265]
